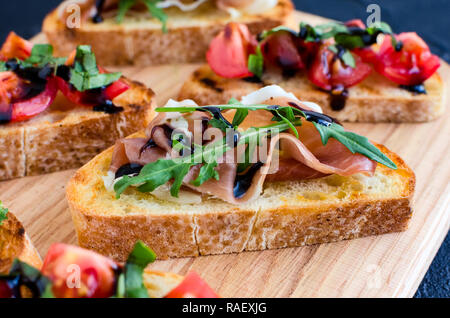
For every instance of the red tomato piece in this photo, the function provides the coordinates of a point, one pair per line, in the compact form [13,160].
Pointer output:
[193,286]
[229,51]
[411,65]
[31,107]
[15,47]
[280,50]
[5,290]
[357,23]
[79,273]
[329,72]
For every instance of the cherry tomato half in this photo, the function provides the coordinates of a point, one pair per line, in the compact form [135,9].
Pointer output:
[79,273]
[229,51]
[328,72]
[193,286]
[411,65]
[280,50]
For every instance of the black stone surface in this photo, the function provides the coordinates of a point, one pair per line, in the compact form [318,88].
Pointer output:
[428,18]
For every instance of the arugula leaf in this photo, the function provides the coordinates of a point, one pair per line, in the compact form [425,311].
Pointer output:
[239,117]
[124,6]
[256,63]
[354,142]
[85,74]
[158,13]
[132,285]
[3,213]
[207,171]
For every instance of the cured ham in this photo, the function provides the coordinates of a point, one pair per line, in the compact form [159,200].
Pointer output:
[287,157]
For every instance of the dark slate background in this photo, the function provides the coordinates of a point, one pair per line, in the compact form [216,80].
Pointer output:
[428,18]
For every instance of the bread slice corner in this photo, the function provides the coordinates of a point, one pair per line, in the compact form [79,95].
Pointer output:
[66,136]
[287,214]
[139,40]
[375,99]
[15,243]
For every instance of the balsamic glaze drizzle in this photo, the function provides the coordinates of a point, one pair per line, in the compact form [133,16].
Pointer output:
[243,181]
[416,89]
[98,15]
[315,116]
[128,169]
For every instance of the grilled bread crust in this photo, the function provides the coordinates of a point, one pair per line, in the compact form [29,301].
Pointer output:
[67,136]
[287,214]
[140,41]
[375,99]
[15,243]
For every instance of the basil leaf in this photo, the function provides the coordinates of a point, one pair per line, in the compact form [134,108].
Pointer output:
[354,142]
[346,57]
[207,171]
[256,63]
[85,75]
[349,41]
[136,263]
[42,55]
[3,213]
[3,67]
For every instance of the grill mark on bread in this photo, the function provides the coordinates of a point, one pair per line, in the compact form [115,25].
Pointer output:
[211,84]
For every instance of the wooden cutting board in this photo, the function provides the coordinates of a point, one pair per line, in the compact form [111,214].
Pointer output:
[390,265]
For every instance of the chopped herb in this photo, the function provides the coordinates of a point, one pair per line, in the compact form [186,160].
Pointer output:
[267,33]
[344,55]
[85,75]
[131,284]
[256,63]
[3,213]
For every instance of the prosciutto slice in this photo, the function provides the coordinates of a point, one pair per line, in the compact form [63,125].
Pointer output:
[299,158]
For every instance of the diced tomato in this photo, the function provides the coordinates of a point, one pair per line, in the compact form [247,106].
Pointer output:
[229,51]
[193,286]
[328,72]
[357,23]
[115,89]
[15,47]
[79,273]
[12,90]
[411,65]
[280,50]
[31,107]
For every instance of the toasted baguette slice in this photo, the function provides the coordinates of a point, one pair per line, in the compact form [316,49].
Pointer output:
[140,41]
[286,214]
[375,99]
[66,136]
[15,243]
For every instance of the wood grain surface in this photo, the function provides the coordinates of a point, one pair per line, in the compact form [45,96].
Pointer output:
[390,265]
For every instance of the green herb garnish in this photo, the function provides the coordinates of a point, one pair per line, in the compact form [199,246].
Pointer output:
[256,63]
[41,56]
[162,171]
[158,13]
[37,283]
[131,283]
[85,75]
[3,213]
